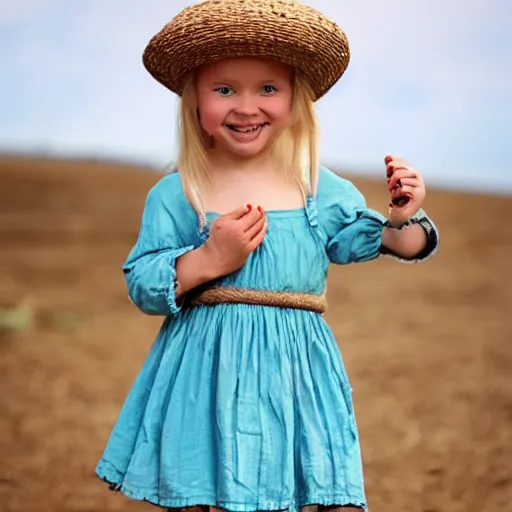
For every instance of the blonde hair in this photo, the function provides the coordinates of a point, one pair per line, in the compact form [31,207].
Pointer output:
[295,150]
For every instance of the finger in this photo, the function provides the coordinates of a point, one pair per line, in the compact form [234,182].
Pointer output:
[389,158]
[258,239]
[239,212]
[402,173]
[401,196]
[406,191]
[256,228]
[394,159]
[399,180]
[411,182]
[250,218]
[394,168]
[408,198]
[400,201]
[406,211]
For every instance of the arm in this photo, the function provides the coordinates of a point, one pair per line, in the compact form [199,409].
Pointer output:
[416,240]
[408,234]
[163,265]
[233,237]
[150,269]
[355,233]
[193,269]
[405,243]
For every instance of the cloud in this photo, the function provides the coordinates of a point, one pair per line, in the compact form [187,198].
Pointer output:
[428,81]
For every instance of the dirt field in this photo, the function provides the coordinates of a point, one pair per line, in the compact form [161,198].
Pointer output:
[428,347]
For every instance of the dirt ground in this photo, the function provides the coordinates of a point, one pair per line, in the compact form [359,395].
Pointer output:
[428,347]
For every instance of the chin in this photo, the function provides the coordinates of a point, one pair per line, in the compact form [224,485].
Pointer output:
[250,152]
[247,151]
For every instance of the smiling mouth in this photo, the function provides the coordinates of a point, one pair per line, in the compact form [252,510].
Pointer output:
[245,129]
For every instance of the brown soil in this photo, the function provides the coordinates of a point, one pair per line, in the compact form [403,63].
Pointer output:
[428,347]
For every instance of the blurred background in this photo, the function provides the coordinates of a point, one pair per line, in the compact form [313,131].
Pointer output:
[85,132]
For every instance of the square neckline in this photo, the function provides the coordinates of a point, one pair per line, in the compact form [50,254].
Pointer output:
[286,212]
[305,210]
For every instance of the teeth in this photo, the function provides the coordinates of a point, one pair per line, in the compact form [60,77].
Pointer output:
[246,129]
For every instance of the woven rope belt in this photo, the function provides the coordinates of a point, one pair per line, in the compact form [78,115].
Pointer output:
[225,295]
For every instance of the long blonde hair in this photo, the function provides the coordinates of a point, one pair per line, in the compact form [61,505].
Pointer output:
[295,150]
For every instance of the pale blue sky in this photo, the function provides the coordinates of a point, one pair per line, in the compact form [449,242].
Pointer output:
[430,81]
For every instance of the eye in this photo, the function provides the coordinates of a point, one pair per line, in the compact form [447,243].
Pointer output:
[224,91]
[269,89]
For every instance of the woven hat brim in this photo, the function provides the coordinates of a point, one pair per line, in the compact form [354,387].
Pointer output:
[282,30]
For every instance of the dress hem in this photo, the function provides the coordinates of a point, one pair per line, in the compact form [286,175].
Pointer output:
[112,476]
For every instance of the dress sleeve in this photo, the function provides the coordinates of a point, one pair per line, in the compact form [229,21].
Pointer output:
[150,270]
[352,231]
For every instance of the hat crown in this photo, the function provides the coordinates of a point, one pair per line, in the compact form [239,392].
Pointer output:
[283,30]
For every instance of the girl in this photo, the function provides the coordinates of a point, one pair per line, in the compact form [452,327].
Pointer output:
[243,402]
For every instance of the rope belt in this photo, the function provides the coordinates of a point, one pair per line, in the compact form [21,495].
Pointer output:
[225,295]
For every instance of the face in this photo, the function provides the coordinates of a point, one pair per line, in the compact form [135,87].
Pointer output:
[244,104]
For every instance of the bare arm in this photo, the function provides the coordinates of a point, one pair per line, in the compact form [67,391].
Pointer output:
[408,233]
[232,238]
[406,243]
[193,269]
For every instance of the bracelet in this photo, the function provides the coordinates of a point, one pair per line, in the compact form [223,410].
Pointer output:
[420,217]
[417,218]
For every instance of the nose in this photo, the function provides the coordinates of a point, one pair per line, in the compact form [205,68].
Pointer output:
[247,104]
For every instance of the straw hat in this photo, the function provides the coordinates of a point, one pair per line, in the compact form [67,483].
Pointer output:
[283,30]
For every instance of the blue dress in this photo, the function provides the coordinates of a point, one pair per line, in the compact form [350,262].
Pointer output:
[243,407]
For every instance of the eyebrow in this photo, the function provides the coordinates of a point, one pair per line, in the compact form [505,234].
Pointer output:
[235,82]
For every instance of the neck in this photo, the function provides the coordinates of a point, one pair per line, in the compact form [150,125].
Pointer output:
[221,163]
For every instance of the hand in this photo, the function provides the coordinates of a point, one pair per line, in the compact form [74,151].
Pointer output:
[233,237]
[407,190]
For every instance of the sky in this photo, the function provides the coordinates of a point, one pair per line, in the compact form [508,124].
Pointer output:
[428,81]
